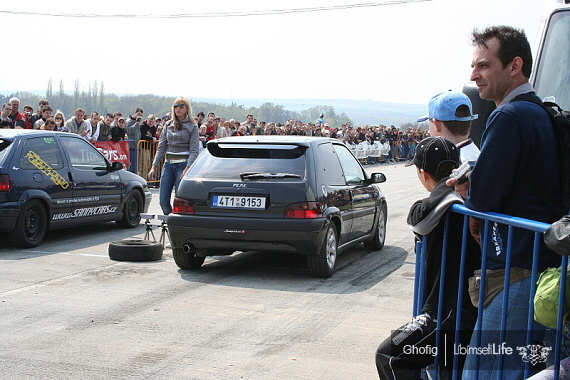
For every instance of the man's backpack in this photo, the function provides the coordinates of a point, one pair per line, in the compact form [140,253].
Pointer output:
[561,123]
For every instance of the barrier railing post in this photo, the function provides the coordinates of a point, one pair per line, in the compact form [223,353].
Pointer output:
[533,279]
[560,319]
[461,286]
[418,279]
[505,304]
[442,270]
[482,284]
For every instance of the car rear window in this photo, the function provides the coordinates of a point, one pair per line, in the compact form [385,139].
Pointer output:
[41,153]
[228,161]
[4,148]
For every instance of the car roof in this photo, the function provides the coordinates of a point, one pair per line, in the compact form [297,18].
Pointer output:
[13,133]
[273,139]
[19,131]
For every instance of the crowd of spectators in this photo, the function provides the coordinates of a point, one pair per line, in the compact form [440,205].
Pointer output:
[395,144]
[92,127]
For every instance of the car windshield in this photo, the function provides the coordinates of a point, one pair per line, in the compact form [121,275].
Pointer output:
[251,162]
[553,76]
[4,148]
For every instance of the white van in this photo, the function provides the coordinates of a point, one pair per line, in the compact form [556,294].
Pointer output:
[551,72]
[551,69]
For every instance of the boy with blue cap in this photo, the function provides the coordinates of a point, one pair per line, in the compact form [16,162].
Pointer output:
[450,116]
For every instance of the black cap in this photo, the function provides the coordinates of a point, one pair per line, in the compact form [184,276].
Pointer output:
[432,152]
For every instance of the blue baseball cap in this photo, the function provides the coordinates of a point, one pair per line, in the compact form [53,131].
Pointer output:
[443,106]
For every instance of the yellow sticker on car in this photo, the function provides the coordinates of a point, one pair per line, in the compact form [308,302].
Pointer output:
[36,160]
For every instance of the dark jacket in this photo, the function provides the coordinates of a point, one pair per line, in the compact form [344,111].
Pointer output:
[117,134]
[147,132]
[104,132]
[427,217]
[518,143]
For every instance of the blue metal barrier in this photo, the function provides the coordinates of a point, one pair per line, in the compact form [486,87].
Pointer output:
[513,223]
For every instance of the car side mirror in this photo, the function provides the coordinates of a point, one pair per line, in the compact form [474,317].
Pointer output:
[115,166]
[377,178]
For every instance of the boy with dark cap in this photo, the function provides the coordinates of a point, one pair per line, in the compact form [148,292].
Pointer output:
[413,346]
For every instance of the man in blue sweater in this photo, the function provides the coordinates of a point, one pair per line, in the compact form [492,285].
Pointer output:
[517,151]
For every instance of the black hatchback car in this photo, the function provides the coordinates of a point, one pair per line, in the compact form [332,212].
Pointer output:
[306,195]
[53,180]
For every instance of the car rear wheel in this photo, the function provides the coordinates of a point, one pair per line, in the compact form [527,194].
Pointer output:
[377,242]
[135,250]
[31,226]
[323,264]
[187,260]
[132,211]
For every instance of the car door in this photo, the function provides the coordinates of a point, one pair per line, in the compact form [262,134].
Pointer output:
[337,193]
[363,197]
[96,191]
[40,166]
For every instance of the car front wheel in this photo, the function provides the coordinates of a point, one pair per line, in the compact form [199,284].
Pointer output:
[132,211]
[323,264]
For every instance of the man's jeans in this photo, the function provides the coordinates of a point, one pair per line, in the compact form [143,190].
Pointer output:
[169,179]
[517,319]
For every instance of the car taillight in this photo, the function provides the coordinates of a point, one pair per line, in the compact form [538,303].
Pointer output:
[304,210]
[4,182]
[183,206]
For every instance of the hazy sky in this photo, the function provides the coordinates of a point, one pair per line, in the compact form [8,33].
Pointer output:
[398,51]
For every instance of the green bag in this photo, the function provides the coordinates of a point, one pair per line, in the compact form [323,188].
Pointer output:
[546,297]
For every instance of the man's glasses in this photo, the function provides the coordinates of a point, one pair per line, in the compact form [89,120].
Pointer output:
[179,105]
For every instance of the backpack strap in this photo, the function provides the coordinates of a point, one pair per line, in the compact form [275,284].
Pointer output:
[554,204]
[533,98]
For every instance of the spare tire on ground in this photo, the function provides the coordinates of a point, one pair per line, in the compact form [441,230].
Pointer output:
[135,250]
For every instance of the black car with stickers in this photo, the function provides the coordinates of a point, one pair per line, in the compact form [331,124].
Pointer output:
[306,195]
[54,180]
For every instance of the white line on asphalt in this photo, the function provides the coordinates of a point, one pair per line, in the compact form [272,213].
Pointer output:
[81,254]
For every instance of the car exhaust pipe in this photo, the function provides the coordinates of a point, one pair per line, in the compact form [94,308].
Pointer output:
[187,248]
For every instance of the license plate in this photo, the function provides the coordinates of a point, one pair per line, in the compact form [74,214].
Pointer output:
[230,201]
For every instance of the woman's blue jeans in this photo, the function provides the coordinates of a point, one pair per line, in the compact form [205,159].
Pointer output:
[169,179]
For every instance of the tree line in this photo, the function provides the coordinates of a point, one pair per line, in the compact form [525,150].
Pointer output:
[95,99]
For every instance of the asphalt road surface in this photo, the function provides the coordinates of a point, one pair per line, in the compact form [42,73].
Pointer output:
[68,311]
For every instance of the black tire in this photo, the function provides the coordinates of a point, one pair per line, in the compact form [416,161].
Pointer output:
[31,225]
[187,260]
[323,264]
[377,242]
[135,250]
[131,211]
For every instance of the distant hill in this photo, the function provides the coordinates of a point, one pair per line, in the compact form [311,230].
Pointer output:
[360,111]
